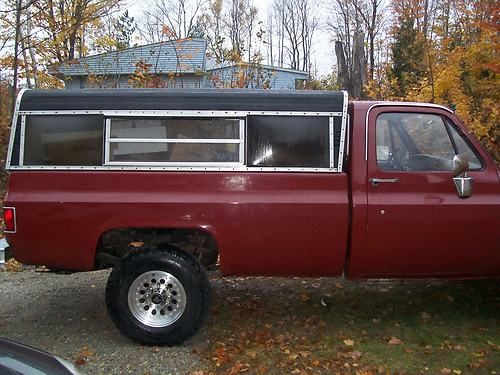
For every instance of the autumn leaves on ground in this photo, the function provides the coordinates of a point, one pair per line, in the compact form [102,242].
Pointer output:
[262,325]
[327,326]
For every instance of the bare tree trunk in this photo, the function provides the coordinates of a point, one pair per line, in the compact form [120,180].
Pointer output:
[27,72]
[15,64]
[358,78]
[34,66]
[342,70]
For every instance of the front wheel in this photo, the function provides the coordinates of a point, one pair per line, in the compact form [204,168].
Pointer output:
[158,296]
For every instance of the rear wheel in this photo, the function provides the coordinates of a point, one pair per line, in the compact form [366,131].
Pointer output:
[158,296]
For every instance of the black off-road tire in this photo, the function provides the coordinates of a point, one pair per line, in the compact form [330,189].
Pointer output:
[126,281]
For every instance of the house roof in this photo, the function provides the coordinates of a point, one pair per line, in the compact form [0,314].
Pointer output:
[179,56]
[212,66]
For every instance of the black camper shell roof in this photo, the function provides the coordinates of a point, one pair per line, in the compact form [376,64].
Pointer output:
[183,99]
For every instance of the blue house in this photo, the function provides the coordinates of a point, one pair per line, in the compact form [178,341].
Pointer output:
[176,64]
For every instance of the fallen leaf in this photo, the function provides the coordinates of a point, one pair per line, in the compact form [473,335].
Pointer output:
[315,362]
[13,265]
[304,354]
[445,371]
[457,371]
[304,297]
[354,355]
[296,371]
[251,353]
[349,342]
[221,356]
[80,361]
[280,339]
[235,369]
[395,341]
[493,346]
[293,356]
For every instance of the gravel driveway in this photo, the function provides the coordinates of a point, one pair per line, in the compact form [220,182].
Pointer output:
[66,315]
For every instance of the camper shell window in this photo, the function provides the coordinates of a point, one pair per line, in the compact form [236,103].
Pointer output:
[174,140]
[287,141]
[63,140]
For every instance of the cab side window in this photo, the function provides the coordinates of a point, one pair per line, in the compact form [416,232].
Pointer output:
[419,142]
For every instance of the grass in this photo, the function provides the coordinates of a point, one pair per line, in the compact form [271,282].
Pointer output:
[275,325]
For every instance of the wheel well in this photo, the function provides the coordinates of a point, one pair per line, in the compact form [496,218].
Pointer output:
[116,243]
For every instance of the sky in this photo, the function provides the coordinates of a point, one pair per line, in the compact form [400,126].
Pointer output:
[323,49]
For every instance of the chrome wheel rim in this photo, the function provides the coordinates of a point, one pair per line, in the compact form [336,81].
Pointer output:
[157,298]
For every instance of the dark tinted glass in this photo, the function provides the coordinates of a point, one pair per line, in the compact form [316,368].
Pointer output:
[63,140]
[286,141]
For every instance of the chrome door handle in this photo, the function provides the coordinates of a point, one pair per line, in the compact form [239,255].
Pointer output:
[376,181]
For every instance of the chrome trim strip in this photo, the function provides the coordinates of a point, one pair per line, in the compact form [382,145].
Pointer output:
[15,221]
[397,104]
[13,127]
[107,134]
[242,140]
[4,245]
[331,141]
[21,140]
[173,140]
[230,167]
[342,132]
[348,132]
[177,163]
[151,113]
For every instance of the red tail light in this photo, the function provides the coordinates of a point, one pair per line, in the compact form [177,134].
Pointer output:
[9,219]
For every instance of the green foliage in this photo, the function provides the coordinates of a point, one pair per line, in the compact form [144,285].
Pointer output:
[124,28]
[408,52]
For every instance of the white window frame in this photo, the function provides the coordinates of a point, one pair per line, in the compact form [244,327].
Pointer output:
[108,140]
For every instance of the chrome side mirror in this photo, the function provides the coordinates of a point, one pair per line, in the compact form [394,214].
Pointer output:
[460,165]
[463,183]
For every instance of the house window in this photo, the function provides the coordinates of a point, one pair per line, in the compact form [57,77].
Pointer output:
[173,141]
[300,83]
[288,141]
[63,140]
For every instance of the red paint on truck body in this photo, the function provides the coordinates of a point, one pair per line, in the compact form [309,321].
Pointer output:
[263,223]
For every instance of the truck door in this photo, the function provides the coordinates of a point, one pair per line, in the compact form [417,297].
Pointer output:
[417,224]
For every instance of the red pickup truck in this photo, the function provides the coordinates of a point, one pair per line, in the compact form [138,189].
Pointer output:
[163,184]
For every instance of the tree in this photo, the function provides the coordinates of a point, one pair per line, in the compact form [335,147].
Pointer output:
[356,27]
[407,57]
[66,23]
[125,27]
[296,22]
[171,19]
